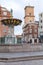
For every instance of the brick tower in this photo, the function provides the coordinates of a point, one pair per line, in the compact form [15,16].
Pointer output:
[29,14]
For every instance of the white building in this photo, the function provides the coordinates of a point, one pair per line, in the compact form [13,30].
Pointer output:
[40,29]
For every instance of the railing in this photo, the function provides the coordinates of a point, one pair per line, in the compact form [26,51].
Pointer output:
[2,40]
[9,40]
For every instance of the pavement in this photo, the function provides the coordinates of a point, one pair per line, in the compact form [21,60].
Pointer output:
[20,54]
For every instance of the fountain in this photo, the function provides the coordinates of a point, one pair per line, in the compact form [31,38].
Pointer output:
[9,38]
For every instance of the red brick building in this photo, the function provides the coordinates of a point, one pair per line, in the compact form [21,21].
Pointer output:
[30,32]
[4,14]
[30,28]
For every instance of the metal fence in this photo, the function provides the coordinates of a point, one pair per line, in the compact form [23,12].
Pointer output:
[10,40]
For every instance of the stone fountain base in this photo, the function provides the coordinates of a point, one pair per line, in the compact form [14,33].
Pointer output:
[7,48]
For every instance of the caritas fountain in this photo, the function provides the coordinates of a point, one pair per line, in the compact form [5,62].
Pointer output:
[9,38]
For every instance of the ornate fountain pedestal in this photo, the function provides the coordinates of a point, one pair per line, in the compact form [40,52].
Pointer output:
[10,38]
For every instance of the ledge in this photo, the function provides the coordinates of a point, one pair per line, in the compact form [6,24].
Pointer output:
[21,59]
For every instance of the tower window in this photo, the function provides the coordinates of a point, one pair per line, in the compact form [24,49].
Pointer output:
[30,14]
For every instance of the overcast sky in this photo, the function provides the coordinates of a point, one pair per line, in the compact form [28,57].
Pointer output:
[18,9]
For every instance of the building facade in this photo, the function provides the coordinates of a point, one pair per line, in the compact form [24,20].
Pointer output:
[40,29]
[30,32]
[4,14]
[30,28]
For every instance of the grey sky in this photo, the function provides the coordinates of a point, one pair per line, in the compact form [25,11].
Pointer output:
[18,9]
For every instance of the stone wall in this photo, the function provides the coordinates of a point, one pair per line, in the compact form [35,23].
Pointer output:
[21,48]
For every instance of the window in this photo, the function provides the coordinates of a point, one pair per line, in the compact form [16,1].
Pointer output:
[41,26]
[35,35]
[30,26]
[35,40]
[41,15]
[30,36]
[30,30]
[35,26]
[35,30]
[4,13]
[30,14]
[41,21]
[41,33]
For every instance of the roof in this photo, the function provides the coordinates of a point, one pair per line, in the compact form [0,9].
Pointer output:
[29,7]
[3,8]
[35,22]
